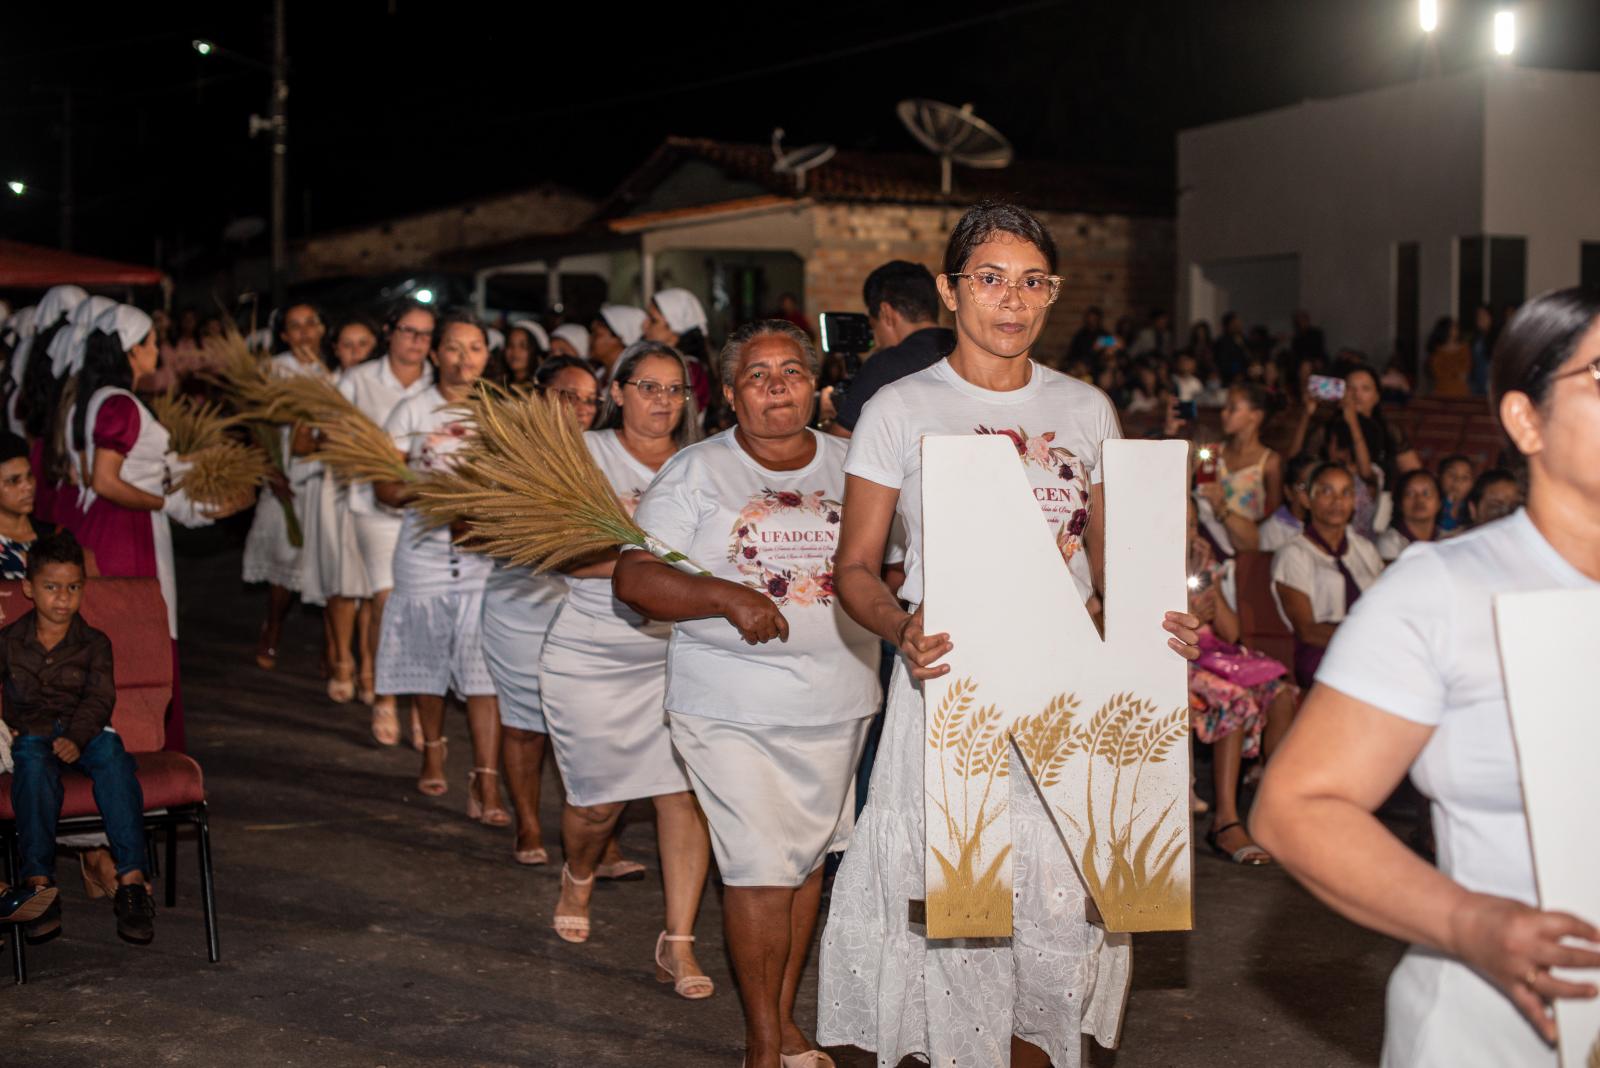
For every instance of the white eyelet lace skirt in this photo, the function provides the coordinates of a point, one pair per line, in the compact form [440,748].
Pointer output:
[957,1002]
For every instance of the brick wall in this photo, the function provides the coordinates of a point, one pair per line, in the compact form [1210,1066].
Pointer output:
[1123,264]
[411,242]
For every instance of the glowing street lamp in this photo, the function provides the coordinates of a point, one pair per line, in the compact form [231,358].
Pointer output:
[204,47]
[1428,15]
[1505,32]
[16,187]
[424,296]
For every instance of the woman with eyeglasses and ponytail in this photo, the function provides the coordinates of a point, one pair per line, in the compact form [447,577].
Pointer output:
[1412,685]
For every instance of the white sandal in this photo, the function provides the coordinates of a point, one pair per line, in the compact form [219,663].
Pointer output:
[572,928]
[691,987]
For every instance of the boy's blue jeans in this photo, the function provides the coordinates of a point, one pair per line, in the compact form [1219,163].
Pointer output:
[37,793]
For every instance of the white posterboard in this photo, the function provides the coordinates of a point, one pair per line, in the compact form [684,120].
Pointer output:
[1102,727]
[1547,651]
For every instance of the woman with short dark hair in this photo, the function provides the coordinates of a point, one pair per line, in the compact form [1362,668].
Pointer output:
[1412,684]
[771,730]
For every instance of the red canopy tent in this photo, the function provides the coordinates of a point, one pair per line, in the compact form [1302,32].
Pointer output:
[34,266]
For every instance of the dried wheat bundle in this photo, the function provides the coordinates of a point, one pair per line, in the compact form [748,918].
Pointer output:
[529,489]
[192,423]
[224,473]
[240,372]
[358,450]
[312,399]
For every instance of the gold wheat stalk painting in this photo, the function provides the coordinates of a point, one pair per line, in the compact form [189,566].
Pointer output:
[529,490]
[1129,860]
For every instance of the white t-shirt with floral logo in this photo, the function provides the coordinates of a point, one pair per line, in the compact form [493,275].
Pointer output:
[1056,423]
[628,477]
[773,531]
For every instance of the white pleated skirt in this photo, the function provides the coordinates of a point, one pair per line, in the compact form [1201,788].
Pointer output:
[885,987]
[604,685]
[778,799]
[268,554]
[331,564]
[518,608]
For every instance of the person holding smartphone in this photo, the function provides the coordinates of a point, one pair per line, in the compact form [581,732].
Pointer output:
[1412,683]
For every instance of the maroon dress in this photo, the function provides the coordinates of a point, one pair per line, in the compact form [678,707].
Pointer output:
[122,539]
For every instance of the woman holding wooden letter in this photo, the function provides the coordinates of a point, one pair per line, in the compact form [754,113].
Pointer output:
[1029,999]
[1413,682]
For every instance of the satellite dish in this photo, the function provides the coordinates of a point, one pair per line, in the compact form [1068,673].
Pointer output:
[798,161]
[955,135]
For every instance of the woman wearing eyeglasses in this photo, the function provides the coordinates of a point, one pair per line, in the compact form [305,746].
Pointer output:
[1412,684]
[1030,999]
[603,677]
[1317,577]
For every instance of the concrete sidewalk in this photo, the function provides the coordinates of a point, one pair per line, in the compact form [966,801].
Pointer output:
[365,925]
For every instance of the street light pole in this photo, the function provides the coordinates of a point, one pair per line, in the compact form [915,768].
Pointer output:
[280,150]
[66,170]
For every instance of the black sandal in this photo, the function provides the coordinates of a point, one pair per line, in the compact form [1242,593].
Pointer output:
[1251,856]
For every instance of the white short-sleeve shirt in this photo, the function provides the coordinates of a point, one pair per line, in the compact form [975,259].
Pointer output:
[1421,645]
[373,388]
[1301,565]
[1056,423]
[428,432]
[776,532]
[628,477]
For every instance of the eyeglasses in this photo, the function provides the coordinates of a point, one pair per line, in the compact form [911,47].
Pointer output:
[649,390]
[989,289]
[413,333]
[578,400]
[1591,369]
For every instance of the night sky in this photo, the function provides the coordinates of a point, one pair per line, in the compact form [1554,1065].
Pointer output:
[401,105]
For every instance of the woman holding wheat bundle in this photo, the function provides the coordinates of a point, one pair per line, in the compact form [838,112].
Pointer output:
[771,730]
[431,642]
[1030,999]
[603,676]
[128,472]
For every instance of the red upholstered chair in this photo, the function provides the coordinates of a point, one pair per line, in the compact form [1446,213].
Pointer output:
[133,615]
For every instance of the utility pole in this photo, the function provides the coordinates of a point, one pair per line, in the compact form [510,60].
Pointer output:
[66,170]
[280,150]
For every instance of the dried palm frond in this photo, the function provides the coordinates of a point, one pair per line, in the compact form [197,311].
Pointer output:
[193,424]
[224,473]
[529,489]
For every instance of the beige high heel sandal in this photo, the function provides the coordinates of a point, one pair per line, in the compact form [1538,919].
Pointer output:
[691,987]
[572,928]
[435,787]
[493,815]
[342,687]
[385,724]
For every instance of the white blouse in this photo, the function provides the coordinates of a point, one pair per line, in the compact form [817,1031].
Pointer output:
[1301,565]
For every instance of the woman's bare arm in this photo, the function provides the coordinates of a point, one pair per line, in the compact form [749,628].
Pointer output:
[1297,606]
[657,590]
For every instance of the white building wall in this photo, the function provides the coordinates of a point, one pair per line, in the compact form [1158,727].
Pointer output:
[1542,168]
[1338,183]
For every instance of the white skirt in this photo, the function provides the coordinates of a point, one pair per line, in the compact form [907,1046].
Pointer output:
[884,986]
[518,607]
[268,555]
[376,538]
[432,645]
[778,799]
[604,682]
[331,564]
[1442,1014]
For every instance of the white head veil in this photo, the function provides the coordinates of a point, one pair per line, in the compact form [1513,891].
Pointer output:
[625,321]
[129,324]
[66,348]
[533,330]
[57,301]
[576,336]
[681,309]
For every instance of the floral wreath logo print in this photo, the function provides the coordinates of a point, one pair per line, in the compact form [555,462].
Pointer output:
[799,586]
[1099,724]
[1040,450]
